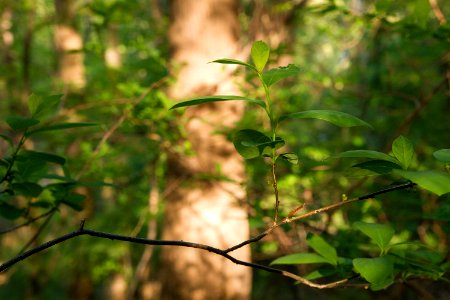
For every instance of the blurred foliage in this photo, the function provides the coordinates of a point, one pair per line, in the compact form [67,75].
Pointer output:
[386,62]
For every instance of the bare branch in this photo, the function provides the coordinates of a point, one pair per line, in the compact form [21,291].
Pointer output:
[223,253]
[110,236]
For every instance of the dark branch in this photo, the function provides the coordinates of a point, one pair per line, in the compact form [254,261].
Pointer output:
[135,240]
[391,189]
[224,253]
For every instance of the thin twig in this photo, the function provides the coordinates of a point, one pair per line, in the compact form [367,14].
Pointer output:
[3,231]
[320,210]
[423,103]
[38,232]
[116,125]
[437,12]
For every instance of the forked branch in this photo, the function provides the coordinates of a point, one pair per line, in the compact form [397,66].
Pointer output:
[224,253]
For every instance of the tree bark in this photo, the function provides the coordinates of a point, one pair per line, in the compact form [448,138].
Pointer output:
[205,210]
[69,45]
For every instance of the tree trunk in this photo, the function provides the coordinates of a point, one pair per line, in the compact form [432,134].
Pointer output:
[205,210]
[69,45]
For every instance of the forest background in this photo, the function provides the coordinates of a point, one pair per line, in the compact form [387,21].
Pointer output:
[143,170]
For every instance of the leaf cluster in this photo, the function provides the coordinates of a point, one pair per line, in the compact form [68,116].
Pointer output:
[32,180]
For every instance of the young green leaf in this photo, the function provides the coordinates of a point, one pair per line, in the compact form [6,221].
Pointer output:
[33,103]
[381,234]
[403,151]
[300,258]
[39,106]
[442,155]
[18,123]
[290,157]
[260,54]
[368,154]
[337,118]
[378,271]
[248,143]
[209,99]
[229,61]
[319,245]
[434,181]
[61,126]
[272,76]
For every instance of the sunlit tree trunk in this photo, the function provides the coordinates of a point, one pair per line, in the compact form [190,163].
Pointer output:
[69,45]
[113,59]
[205,210]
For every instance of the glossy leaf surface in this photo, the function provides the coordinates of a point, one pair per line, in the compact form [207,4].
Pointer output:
[210,99]
[337,118]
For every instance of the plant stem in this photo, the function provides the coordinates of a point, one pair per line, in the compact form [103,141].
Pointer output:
[273,127]
[275,190]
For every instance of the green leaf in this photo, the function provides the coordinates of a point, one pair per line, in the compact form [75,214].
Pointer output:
[30,169]
[378,271]
[300,258]
[403,151]
[381,234]
[230,61]
[40,106]
[33,103]
[434,181]
[75,201]
[260,54]
[337,118]
[251,143]
[42,156]
[377,166]
[19,123]
[290,157]
[442,155]
[367,154]
[10,212]
[61,126]
[319,245]
[272,76]
[209,99]
[30,189]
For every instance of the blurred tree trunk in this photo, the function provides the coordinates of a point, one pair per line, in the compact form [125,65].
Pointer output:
[6,43]
[69,45]
[205,210]
[113,58]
